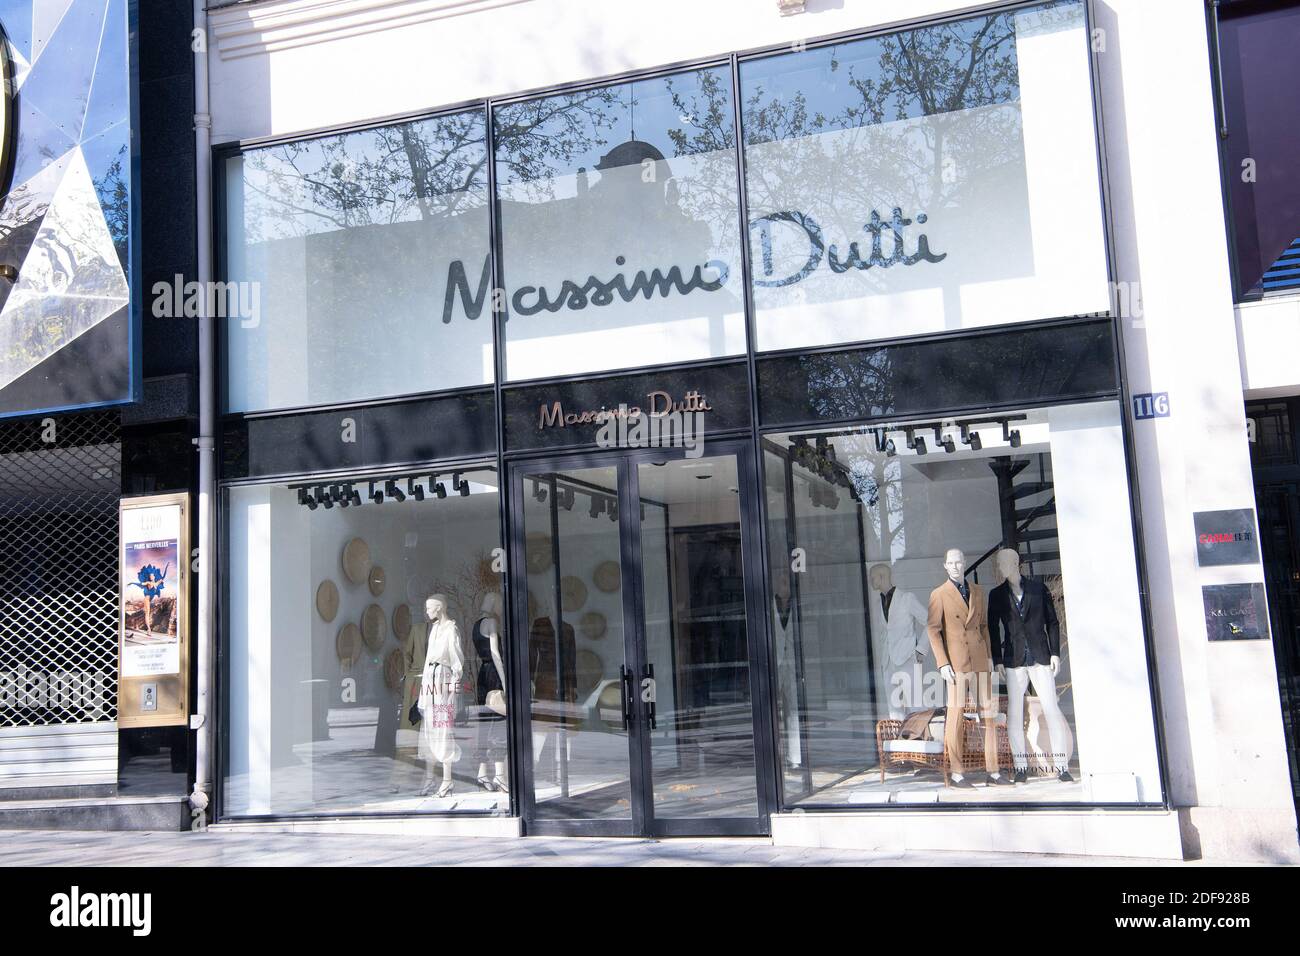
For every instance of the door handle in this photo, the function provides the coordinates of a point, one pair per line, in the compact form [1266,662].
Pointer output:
[625,685]
[649,693]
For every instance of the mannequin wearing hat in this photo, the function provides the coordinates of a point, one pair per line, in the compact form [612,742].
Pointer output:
[444,663]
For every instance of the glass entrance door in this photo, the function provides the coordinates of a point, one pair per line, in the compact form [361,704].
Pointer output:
[633,584]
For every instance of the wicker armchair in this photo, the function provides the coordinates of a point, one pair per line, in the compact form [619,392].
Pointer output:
[930,753]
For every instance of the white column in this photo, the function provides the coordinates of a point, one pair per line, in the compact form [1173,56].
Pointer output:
[1221,715]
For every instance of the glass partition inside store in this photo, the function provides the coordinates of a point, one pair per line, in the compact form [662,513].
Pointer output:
[955,612]
[365,662]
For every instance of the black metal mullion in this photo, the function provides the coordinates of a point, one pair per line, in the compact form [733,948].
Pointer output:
[520,724]
[760,642]
[629,525]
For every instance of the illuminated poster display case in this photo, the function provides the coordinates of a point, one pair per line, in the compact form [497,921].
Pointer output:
[154,634]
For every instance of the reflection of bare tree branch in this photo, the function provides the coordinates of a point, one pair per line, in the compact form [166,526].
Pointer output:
[942,73]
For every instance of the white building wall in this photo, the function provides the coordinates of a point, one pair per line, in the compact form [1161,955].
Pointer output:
[287,66]
[1223,735]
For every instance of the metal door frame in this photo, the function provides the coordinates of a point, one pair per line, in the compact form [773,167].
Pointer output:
[641,822]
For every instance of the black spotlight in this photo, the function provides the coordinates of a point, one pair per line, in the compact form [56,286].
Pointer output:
[305,498]
[565,498]
[597,506]
[394,492]
[944,442]
[1015,439]
[915,443]
[612,510]
[356,496]
[971,438]
[539,493]
[326,496]
[890,448]
[459,484]
[1012,438]
[439,489]
[414,490]
[376,494]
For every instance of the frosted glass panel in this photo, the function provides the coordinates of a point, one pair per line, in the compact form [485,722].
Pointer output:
[935,179]
[620,226]
[363,266]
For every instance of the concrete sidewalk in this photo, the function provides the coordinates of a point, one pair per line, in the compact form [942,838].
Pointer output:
[234,848]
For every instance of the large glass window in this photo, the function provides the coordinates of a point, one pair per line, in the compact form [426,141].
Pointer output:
[619,226]
[366,647]
[956,613]
[362,266]
[939,178]
[1260,73]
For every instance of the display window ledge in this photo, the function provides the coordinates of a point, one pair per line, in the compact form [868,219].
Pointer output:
[449,825]
[1133,833]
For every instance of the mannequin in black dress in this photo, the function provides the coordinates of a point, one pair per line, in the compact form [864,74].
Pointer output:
[491,677]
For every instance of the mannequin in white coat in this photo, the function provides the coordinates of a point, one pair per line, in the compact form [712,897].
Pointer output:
[444,663]
[905,644]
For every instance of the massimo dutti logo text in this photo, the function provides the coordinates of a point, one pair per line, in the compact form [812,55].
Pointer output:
[76,909]
[658,405]
[663,423]
[575,295]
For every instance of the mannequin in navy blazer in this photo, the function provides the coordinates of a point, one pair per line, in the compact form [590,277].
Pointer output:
[1024,635]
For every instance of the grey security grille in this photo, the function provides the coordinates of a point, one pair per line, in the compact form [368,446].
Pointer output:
[60,481]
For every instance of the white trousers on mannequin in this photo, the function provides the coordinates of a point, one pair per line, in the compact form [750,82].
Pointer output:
[1058,732]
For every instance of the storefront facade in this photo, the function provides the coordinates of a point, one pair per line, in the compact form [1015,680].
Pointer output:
[656,450]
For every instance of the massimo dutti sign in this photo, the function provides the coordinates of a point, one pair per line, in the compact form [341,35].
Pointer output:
[658,404]
[620,287]
[68,209]
[707,400]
